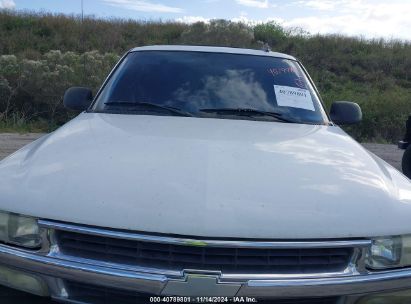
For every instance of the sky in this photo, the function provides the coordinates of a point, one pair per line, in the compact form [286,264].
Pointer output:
[366,18]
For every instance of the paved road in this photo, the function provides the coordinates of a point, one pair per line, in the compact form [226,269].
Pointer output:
[11,142]
[390,153]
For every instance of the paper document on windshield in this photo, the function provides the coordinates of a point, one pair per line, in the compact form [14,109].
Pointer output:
[293,97]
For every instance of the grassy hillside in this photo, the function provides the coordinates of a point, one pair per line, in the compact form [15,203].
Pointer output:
[42,54]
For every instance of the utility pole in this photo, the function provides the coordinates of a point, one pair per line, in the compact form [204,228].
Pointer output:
[83,41]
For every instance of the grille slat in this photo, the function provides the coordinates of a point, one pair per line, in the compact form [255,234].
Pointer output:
[179,257]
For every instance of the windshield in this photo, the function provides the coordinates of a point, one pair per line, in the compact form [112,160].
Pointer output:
[216,85]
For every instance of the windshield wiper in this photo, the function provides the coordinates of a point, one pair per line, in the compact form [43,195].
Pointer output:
[149,105]
[248,112]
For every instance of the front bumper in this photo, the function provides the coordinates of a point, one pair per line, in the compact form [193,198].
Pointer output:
[54,270]
[155,284]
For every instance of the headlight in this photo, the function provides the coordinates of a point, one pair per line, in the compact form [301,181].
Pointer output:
[19,230]
[390,252]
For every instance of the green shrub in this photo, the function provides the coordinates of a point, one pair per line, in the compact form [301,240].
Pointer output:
[43,54]
[271,33]
[33,89]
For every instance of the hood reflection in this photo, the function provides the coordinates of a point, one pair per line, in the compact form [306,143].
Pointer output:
[326,154]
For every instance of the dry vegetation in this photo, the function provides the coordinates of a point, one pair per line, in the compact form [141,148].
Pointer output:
[42,54]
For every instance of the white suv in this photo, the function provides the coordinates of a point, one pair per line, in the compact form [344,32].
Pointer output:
[202,171]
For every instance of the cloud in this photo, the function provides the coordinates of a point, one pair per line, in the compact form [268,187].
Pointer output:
[371,19]
[336,5]
[323,5]
[192,19]
[144,6]
[252,22]
[366,18]
[254,3]
[242,18]
[7,4]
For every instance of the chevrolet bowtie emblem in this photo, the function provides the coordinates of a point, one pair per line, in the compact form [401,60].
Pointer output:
[200,285]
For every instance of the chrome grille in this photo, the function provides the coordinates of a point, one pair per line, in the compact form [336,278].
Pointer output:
[226,259]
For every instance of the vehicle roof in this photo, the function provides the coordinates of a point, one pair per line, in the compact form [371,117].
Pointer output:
[212,49]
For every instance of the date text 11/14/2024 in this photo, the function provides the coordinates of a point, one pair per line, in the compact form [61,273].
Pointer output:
[171,299]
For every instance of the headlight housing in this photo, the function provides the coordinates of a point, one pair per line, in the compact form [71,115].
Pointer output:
[389,252]
[19,230]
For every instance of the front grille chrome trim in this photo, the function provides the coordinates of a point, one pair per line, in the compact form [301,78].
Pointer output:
[203,242]
[154,284]
[51,263]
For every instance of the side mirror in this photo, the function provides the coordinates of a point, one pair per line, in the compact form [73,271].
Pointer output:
[345,113]
[78,98]
[405,143]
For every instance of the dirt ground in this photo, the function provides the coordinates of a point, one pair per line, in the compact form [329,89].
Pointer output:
[390,153]
[10,142]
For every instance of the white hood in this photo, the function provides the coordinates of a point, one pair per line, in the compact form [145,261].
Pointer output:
[207,177]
